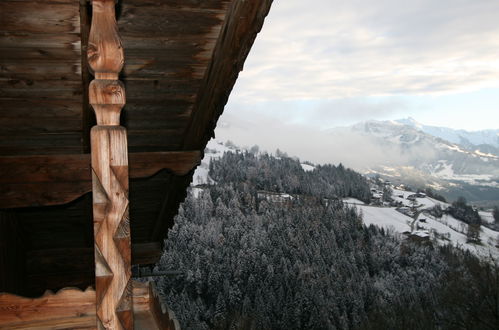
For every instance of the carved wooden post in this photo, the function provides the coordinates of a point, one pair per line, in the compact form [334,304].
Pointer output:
[110,172]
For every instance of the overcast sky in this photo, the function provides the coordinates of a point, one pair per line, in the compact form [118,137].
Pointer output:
[327,63]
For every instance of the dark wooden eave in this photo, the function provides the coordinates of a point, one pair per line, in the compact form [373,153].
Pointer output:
[182,58]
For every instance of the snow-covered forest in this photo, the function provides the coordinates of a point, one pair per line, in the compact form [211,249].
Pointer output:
[268,243]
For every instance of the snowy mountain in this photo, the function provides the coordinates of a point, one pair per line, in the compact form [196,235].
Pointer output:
[469,139]
[412,155]
[430,154]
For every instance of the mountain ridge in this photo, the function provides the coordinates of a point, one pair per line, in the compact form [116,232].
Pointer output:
[463,137]
[410,153]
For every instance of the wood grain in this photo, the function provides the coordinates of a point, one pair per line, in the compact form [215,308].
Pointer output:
[72,308]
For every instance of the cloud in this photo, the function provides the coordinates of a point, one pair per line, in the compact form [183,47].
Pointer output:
[323,113]
[332,49]
[340,145]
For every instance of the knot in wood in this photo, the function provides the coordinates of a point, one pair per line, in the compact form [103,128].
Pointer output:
[103,92]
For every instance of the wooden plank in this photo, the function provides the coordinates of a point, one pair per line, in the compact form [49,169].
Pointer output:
[71,308]
[37,17]
[38,54]
[152,21]
[37,70]
[143,68]
[61,168]
[53,89]
[41,194]
[34,109]
[168,53]
[46,2]
[149,311]
[21,143]
[175,124]
[189,5]
[34,150]
[174,46]
[179,162]
[160,89]
[46,42]
[145,111]
[33,125]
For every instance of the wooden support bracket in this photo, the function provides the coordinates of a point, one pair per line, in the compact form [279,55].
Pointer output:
[45,180]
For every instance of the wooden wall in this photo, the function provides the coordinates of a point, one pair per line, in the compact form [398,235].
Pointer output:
[40,77]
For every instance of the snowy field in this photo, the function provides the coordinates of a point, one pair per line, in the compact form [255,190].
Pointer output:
[353,201]
[385,217]
[425,202]
[486,216]
[442,230]
[307,168]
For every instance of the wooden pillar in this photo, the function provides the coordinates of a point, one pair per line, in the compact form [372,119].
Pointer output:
[109,172]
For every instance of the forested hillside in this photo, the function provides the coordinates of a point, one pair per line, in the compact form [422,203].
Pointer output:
[308,262]
[284,174]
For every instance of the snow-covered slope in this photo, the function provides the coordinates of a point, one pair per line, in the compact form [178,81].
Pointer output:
[214,149]
[422,224]
[307,167]
[386,217]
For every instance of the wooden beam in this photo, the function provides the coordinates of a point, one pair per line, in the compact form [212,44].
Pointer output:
[149,311]
[58,179]
[74,309]
[109,156]
[244,20]
[145,164]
